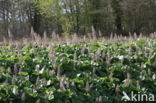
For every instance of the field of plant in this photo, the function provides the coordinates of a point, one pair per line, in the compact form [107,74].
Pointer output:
[84,72]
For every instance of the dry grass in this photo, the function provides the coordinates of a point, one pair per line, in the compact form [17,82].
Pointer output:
[56,39]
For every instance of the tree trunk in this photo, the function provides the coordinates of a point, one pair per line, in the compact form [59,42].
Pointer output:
[37,22]
[118,13]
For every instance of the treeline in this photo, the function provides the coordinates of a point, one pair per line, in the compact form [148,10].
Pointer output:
[77,16]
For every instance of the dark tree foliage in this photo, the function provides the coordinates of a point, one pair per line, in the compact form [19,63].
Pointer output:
[65,17]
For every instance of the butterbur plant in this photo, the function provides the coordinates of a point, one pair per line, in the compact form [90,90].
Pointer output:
[23,96]
[95,71]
